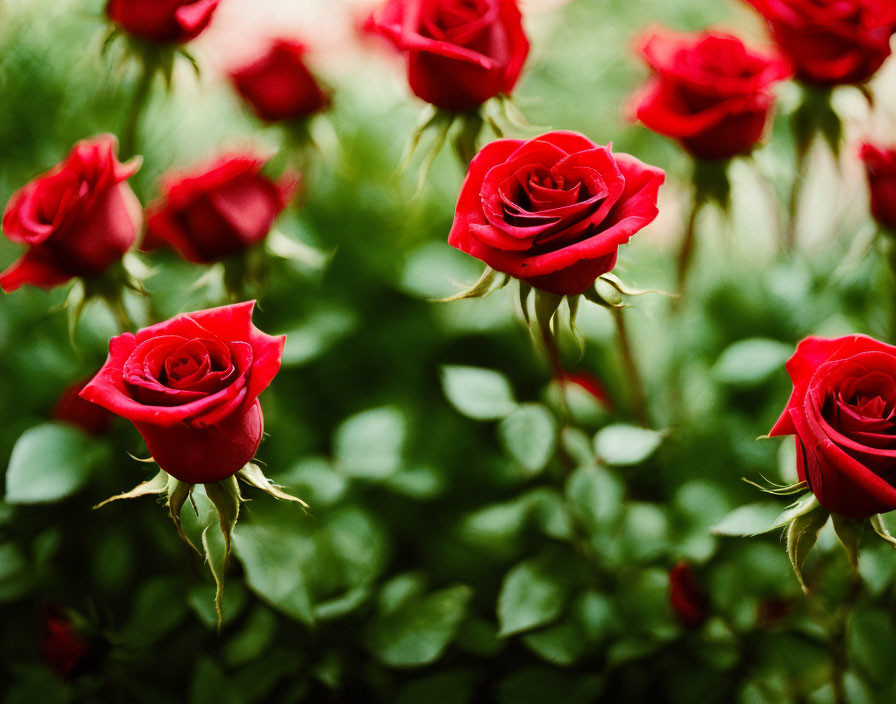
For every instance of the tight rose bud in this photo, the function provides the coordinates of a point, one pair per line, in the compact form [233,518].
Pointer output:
[831,42]
[77,219]
[278,85]
[880,165]
[688,600]
[217,211]
[709,91]
[553,210]
[841,412]
[460,53]
[162,21]
[190,385]
[73,409]
[63,648]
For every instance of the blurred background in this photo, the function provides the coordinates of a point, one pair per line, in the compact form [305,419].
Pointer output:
[442,564]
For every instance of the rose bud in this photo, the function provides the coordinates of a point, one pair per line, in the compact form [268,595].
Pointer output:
[880,165]
[162,21]
[64,649]
[709,91]
[688,600]
[460,53]
[278,85]
[217,211]
[77,219]
[831,43]
[553,210]
[842,412]
[190,385]
[72,409]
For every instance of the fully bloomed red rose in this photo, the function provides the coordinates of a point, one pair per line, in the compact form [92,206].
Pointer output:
[278,85]
[709,91]
[162,21]
[190,385]
[553,210]
[217,211]
[77,219]
[842,412]
[880,165]
[831,42]
[460,53]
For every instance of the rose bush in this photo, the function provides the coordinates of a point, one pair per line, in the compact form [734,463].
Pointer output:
[190,385]
[841,412]
[163,21]
[460,53]
[77,219]
[552,211]
[880,167]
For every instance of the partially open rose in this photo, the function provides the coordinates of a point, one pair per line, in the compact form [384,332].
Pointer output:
[163,21]
[190,385]
[553,210]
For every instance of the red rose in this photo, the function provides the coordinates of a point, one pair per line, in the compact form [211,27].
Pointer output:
[77,219]
[831,42]
[62,647]
[709,91]
[842,410]
[217,211]
[72,409]
[880,165]
[460,53]
[279,86]
[190,385]
[176,21]
[553,210]
[688,600]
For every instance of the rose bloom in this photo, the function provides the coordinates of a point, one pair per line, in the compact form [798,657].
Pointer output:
[880,165]
[77,219]
[278,85]
[842,412]
[553,210]
[190,385]
[217,211]
[831,42]
[162,21]
[74,410]
[460,53]
[709,91]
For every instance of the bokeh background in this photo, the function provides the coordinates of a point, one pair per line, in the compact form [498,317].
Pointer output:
[435,566]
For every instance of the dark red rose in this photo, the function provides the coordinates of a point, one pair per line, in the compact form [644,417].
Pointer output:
[831,42]
[842,412]
[217,211]
[880,165]
[190,385]
[163,21]
[709,91]
[278,85]
[77,219]
[553,210]
[72,409]
[460,53]
[63,648]
[688,600]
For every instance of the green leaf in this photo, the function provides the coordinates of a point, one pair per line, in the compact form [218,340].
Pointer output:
[750,362]
[529,435]
[800,537]
[369,445]
[532,594]
[322,330]
[562,644]
[624,445]
[595,496]
[481,394]
[748,520]
[418,633]
[49,462]
[453,686]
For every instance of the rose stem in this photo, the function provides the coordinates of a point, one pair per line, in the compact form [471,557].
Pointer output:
[138,103]
[120,312]
[636,384]
[793,207]
[838,638]
[550,345]
[686,253]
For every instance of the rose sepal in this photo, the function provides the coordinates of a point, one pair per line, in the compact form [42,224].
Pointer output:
[815,115]
[801,534]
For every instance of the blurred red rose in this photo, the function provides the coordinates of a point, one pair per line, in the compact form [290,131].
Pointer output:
[709,91]
[553,210]
[163,21]
[590,383]
[62,647]
[831,42]
[688,600]
[71,408]
[841,411]
[77,219]
[278,85]
[460,53]
[217,211]
[880,165]
[190,385]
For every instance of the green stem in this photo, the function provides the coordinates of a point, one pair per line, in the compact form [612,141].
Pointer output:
[120,312]
[796,189]
[553,350]
[630,369]
[838,639]
[686,253]
[138,104]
